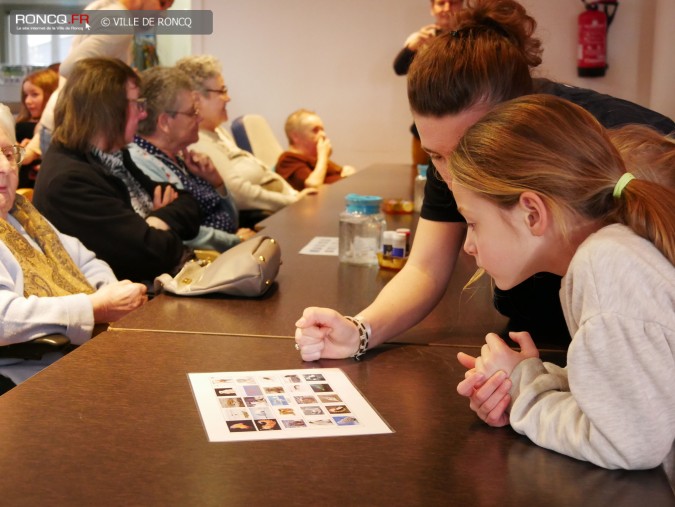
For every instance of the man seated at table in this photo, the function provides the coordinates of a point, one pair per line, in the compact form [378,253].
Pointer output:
[306,164]
[49,282]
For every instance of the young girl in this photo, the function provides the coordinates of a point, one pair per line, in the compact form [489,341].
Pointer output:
[35,92]
[543,189]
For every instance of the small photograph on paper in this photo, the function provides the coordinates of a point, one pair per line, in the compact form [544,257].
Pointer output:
[329,398]
[345,421]
[321,388]
[267,424]
[321,422]
[312,410]
[301,388]
[304,400]
[278,400]
[239,426]
[252,391]
[274,390]
[235,414]
[337,409]
[292,379]
[293,423]
[231,402]
[262,413]
[255,401]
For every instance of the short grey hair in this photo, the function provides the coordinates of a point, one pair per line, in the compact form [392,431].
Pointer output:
[160,87]
[7,122]
[200,68]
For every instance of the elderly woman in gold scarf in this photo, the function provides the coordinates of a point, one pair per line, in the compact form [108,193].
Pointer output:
[49,282]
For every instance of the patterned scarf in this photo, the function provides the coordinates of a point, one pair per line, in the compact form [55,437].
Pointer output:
[113,165]
[214,208]
[50,272]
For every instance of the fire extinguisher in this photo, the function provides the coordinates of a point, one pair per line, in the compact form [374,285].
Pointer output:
[593,26]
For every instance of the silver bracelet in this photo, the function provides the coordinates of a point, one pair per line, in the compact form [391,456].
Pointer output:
[364,335]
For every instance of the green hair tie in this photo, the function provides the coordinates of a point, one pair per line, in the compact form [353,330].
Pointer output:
[621,184]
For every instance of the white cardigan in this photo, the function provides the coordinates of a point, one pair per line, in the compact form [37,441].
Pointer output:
[26,318]
[243,174]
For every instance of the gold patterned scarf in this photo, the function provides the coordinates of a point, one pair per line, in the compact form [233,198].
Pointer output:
[48,273]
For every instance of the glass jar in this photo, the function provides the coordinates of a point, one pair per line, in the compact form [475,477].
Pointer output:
[418,189]
[361,226]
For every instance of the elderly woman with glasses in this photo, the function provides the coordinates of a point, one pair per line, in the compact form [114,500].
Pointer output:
[257,189]
[90,188]
[49,282]
[160,150]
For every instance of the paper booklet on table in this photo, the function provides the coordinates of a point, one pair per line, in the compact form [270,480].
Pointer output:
[274,404]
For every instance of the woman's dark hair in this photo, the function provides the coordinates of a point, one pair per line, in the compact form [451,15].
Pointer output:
[484,61]
[94,103]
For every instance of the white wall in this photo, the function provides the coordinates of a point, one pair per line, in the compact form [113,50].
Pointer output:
[336,57]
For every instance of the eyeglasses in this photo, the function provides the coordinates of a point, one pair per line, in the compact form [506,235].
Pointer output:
[14,153]
[141,104]
[193,114]
[220,91]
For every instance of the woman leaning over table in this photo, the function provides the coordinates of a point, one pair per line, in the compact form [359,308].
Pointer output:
[49,282]
[90,188]
[160,151]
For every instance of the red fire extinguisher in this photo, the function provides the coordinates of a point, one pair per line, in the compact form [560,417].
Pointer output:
[593,25]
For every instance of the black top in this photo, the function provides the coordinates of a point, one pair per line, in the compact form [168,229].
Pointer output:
[534,305]
[81,200]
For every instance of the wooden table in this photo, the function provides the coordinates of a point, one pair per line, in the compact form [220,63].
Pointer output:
[115,423]
[462,317]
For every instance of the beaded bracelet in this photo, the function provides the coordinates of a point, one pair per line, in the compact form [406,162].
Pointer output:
[364,335]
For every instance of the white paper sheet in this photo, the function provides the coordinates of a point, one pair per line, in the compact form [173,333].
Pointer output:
[274,404]
[321,245]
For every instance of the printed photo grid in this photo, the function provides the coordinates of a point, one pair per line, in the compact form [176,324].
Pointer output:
[264,405]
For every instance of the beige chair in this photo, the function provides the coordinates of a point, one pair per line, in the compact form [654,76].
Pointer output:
[252,133]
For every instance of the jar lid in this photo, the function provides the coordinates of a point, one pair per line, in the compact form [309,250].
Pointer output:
[366,204]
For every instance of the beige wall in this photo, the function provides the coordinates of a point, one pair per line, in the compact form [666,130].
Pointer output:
[640,46]
[335,57]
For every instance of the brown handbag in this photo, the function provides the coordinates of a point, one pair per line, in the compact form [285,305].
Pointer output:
[247,269]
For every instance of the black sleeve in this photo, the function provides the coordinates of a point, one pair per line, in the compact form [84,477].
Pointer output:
[183,215]
[96,209]
[403,60]
[439,204]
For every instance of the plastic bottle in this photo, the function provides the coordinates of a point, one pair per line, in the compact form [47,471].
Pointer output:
[387,242]
[398,249]
[361,227]
[420,183]
[406,232]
